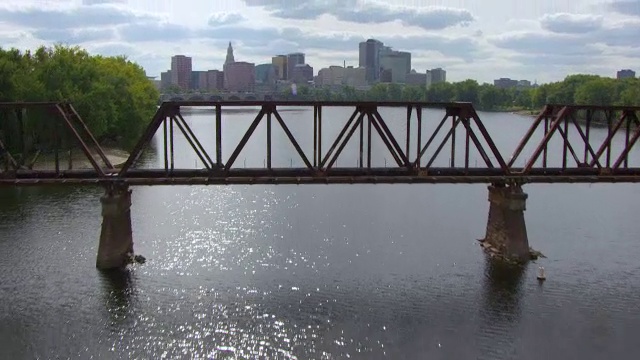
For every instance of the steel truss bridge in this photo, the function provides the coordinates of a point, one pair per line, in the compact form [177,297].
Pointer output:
[435,143]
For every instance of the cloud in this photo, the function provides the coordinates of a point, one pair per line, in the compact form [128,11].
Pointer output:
[357,11]
[100,2]
[571,23]
[220,19]
[627,7]
[533,43]
[154,31]
[267,41]
[624,33]
[70,17]
[74,36]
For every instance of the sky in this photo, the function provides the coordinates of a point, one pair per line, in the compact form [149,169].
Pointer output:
[537,40]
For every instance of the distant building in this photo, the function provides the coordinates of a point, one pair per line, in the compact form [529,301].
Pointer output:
[625,74]
[435,76]
[215,80]
[385,76]
[266,74]
[369,57]
[165,80]
[239,76]
[229,59]
[505,83]
[302,73]
[199,80]
[398,63]
[293,60]
[280,63]
[416,78]
[524,84]
[181,71]
[342,76]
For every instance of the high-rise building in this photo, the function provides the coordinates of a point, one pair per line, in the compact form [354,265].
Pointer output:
[280,62]
[398,62]
[293,60]
[416,78]
[435,76]
[266,74]
[215,80]
[199,80]
[341,76]
[625,74]
[370,58]
[229,59]
[181,71]
[302,73]
[239,76]
[165,80]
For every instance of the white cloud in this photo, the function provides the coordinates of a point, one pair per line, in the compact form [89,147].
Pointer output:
[543,39]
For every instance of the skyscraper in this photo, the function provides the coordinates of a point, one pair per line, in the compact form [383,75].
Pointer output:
[181,71]
[370,58]
[280,62]
[293,60]
[435,76]
[230,59]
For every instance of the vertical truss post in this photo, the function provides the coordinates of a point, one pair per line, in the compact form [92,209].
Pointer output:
[419,142]
[319,163]
[409,110]
[165,147]
[609,138]
[171,142]
[315,135]
[269,112]
[361,162]
[587,136]
[454,124]
[219,135]
[369,141]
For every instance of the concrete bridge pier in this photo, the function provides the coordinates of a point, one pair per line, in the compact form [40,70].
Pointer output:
[506,234]
[116,237]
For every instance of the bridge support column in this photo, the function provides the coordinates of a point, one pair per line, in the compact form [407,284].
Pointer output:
[506,229]
[116,237]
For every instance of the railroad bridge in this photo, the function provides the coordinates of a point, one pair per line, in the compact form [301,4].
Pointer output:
[457,148]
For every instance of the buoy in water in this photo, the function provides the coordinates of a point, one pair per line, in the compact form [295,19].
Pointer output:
[541,276]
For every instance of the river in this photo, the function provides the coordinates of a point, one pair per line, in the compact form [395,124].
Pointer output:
[320,271]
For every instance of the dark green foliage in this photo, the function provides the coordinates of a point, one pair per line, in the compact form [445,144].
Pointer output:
[111,94]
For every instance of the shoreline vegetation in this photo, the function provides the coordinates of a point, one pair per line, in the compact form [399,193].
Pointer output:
[112,95]
[116,99]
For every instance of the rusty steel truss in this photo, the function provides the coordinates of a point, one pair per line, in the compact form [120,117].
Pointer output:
[417,154]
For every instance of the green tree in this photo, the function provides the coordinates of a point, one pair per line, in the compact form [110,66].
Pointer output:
[111,94]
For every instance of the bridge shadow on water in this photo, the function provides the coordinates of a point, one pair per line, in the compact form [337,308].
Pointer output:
[503,290]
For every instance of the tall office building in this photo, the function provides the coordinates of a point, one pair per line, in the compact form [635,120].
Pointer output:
[280,63]
[369,57]
[435,76]
[181,68]
[239,76]
[293,60]
[398,63]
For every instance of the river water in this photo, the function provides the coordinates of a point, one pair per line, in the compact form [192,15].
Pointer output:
[320,272]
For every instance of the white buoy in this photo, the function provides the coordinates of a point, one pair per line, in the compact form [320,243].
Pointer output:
[541,275]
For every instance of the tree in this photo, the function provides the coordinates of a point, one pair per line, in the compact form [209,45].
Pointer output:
[111,94]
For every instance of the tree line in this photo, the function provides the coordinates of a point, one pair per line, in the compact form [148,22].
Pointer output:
[112,95]
[574,89]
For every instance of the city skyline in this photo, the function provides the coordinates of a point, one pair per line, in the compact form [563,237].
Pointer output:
[544,41]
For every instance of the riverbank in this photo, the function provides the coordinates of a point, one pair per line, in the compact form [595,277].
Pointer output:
[79,161]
